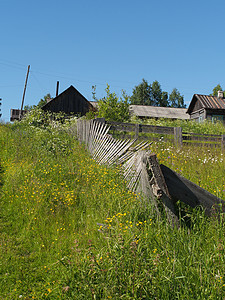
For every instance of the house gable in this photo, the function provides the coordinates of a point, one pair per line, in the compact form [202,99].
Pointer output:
[71,101]
[195,104]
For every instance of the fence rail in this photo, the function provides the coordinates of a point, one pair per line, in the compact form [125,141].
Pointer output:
[167,134]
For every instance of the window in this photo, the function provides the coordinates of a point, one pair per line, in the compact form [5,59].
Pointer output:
[216,118]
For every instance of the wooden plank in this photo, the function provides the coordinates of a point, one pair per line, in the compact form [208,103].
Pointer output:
[190,193]
[178,136]
[202,138]
[201,134]
[100,134]
[160,190]
[114,150]
[157,129]
[119,123]
[123,128]
[136,130]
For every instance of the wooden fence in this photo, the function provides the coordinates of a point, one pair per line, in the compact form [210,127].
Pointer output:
[174,135]
[158,184]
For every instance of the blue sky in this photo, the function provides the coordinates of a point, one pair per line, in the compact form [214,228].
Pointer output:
[84,43]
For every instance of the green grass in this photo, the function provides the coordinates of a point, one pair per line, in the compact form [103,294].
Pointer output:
[71,230]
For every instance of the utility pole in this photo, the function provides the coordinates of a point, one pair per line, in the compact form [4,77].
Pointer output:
[24,91]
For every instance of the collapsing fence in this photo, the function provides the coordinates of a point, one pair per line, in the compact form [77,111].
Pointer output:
[142,172]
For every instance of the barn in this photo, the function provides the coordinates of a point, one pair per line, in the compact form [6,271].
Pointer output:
[71,101]
[204,107]
[156,112]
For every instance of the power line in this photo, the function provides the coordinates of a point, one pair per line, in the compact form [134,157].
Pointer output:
[15,85]
[11,66]
[16,65]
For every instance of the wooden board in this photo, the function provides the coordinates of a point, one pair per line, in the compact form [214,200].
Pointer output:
[190,193]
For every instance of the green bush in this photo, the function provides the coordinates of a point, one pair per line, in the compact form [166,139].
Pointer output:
[112,108]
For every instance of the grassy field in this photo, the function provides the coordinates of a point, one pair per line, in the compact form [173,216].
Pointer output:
[71,230]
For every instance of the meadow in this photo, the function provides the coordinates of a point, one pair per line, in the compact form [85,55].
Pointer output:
[69,228]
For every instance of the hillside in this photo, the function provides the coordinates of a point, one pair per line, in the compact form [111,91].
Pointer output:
[71,230]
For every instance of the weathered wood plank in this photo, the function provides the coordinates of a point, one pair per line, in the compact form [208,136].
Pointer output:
[201,134]
[160,189]
[157,129]
[201,138]
[178,136]
[190,193]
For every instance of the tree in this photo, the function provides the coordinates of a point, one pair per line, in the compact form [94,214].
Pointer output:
[152,94]
[113,108]
[149,94]
[142,94]
[42,102]
[176,100]
[159,97]
[29,107]
[216,89]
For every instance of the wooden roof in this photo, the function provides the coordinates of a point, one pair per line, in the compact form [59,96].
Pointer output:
[159,112]
[205,101]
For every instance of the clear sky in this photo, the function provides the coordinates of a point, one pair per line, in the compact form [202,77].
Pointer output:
[84,43]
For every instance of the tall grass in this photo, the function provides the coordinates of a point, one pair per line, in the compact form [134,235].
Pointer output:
[71,230]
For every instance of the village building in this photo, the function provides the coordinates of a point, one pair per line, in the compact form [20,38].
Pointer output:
[15,114]
[201,107]
[156,112]
[204,107]
[71,101]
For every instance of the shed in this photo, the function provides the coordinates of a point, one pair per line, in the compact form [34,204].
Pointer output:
[145,111]
[204,107]
[15,114]
[71,101]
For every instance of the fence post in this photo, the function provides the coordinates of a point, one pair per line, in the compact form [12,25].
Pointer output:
[222,141]
[136,130]
[178,141]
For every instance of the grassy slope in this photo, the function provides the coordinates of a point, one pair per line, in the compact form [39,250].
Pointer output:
[52,197]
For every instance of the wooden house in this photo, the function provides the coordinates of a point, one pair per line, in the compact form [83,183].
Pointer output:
[145,111]
[203,107]
[70,102]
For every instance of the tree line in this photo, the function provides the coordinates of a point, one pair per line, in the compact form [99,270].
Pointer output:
[152,94]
